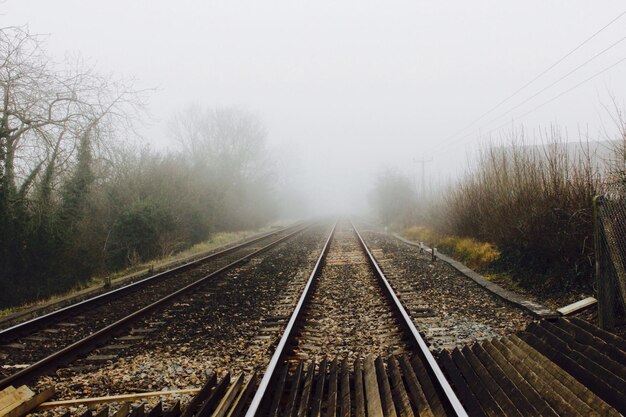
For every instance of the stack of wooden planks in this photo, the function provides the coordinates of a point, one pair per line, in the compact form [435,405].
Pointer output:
[17,402]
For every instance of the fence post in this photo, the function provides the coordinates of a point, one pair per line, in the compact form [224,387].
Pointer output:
[606,294]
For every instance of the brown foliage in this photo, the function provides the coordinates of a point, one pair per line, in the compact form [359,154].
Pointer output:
[535,204]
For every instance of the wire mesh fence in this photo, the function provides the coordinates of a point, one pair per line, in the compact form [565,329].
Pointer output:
[610,242]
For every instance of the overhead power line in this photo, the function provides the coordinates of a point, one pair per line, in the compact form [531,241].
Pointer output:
[542,73]
[555,82]
[597,74]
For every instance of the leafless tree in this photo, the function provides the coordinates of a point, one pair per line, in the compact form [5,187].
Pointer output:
[226,147]
[394,199]
[228,139]
[56,118]
[48,108]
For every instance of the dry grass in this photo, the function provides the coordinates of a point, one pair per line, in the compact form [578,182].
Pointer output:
[477,255]
[535,204]
[422,234]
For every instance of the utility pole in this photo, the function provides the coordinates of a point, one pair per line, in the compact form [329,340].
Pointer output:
[423,162]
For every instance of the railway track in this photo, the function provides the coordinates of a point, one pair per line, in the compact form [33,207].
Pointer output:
[350,347]
[449,309]
[561,368]
[227,323]
[349,314]
[57,338]
[348,384]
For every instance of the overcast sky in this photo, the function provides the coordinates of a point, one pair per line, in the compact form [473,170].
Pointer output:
[351,87]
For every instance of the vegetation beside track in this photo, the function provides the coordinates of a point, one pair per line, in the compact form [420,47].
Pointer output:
[521,213]
[132,273]
[78,199]
[477,255]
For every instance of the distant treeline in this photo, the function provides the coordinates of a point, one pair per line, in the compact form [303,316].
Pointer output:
[77,199]
[533,203]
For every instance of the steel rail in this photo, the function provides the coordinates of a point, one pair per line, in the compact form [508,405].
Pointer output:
[99,337]
[288,333]
[29,326]
[444,385]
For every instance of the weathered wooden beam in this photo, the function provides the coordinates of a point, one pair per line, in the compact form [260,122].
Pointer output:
[577,306]
[30,404]
[113,398]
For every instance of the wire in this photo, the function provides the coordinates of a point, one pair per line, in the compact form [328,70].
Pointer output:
[597,74]
[535,78]
[555,82]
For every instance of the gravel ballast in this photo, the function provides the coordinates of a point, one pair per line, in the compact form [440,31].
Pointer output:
[348,314]
[221,327]
[448,308]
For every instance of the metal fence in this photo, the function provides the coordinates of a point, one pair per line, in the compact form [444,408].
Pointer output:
[610,244]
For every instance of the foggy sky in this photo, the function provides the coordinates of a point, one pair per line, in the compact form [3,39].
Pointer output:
[349,88]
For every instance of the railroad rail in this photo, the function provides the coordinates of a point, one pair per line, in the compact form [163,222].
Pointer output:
[267,399]
[100,336]
[27,327]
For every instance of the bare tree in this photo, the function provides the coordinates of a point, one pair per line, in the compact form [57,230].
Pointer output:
[394,199]
[47,109]
[226,147]
[55,117]
[231,140]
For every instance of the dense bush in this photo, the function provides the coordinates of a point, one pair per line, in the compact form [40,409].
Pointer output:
[74,202]
[135,234]
[535,204]
[525,209]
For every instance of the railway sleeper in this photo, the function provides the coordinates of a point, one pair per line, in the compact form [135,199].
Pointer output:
[553,368]
[395,386]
